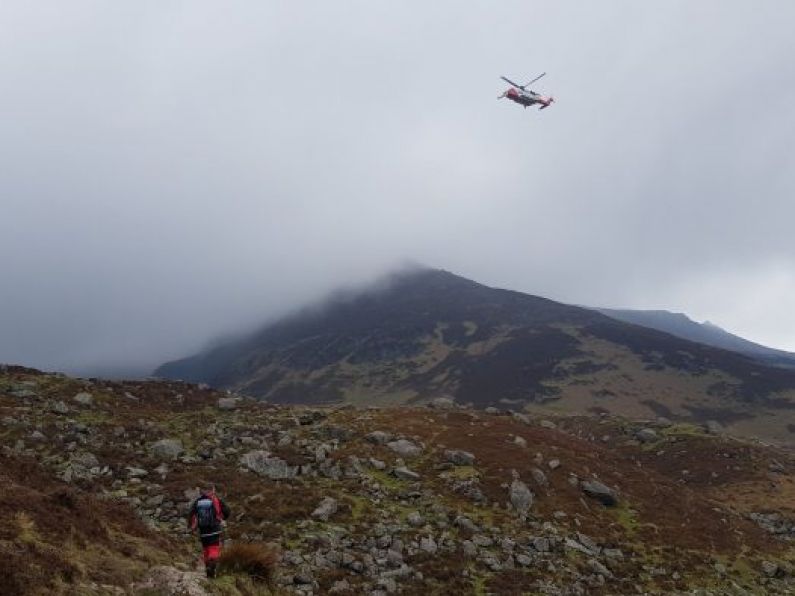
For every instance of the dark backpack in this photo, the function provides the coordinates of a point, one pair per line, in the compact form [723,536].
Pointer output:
[206,518]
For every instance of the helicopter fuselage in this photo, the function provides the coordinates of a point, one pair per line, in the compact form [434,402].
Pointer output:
[528,98]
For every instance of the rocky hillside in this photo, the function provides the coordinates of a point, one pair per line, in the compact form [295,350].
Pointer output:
[436,499]
[681,325]
[429,333]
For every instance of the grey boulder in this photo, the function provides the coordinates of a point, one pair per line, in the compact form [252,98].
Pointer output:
[405,474]
[646,435]
[262,463]
[327,508]
[601,492]
[459,457]
[405,448]
[167,448]
[521,496]
[84,399]
[227,403]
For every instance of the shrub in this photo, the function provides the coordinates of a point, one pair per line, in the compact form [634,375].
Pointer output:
[257,560]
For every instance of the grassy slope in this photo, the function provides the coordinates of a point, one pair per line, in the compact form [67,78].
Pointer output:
[56,537]
[683,522]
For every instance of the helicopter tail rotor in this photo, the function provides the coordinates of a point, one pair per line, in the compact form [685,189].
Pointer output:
[547,103]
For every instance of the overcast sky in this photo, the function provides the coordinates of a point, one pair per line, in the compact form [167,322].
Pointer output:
[172,171]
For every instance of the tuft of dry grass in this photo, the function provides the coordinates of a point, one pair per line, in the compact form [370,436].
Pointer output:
[26,528]
[255,559]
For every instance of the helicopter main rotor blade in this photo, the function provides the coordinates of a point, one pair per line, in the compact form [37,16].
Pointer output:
[534,80]
[510,82]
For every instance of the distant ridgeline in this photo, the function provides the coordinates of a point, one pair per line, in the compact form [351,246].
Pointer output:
[706,333]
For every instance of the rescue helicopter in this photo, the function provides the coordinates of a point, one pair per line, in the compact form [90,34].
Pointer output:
[526,97]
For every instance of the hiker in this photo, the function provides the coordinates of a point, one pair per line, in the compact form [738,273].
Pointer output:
[207,515]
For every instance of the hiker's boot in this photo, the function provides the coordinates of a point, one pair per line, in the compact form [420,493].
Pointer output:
[210,567]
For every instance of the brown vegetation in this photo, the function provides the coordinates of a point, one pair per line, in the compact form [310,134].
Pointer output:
[56,537]
[685,497]
[669,510]
[257,560]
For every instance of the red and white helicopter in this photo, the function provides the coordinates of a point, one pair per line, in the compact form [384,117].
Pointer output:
[525,97]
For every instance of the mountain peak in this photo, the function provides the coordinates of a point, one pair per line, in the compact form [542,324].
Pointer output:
[421,332]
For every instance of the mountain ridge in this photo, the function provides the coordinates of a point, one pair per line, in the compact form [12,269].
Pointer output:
[425,333]
[707,333]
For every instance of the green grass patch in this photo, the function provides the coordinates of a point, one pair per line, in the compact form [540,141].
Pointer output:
[478,583]
[360,506]
[743,570]
[386,480]
[187,427]
[238,584]
[683,429]
[93,417]
[461,473]
[626,517]
[482,516]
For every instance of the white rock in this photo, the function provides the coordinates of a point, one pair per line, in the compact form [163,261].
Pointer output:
[404,473]
[442,403]
[521,496]
[133,472]
[262,463]
[379,437]
[60,407]
[405,448]
[169,580]
[415,519]
[327,508]
[428,544]
[227,403]
[84,399]
[539,477]
[167,448]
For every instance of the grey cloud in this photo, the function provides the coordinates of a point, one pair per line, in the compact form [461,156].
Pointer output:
[171,172]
